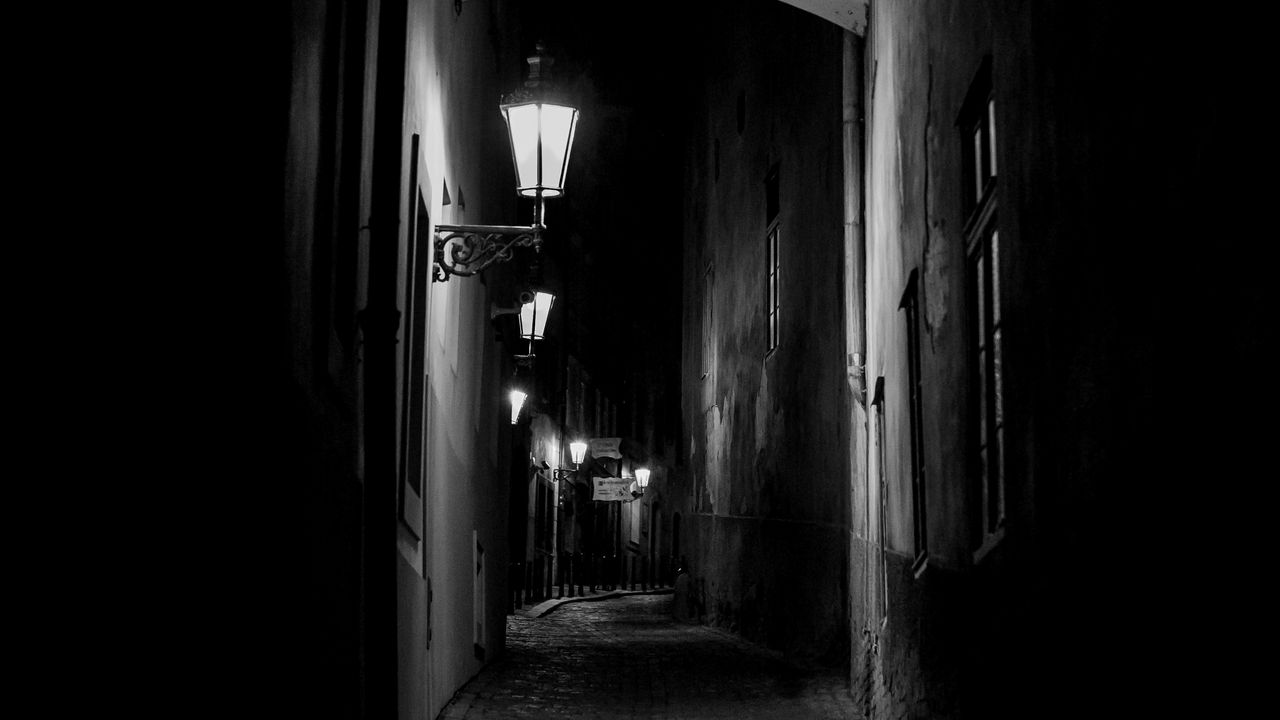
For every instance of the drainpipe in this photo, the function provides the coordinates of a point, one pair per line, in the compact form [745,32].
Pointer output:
[380,324]
[852,112]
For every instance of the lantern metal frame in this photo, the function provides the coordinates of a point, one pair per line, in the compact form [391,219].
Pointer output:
[467,250]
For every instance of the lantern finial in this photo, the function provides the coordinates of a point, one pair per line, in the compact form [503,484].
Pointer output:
[539,65]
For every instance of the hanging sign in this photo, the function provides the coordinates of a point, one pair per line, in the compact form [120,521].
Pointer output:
[606,447]
[610,488]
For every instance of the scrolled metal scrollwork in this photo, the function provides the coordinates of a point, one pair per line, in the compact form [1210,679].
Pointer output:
[466,250]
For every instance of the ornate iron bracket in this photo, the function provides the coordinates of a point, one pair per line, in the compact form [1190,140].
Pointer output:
[466,250]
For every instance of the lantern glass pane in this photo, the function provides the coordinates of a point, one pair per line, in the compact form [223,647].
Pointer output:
[522,122]
[642,477]
[527,313]
[542,304]
[558,124]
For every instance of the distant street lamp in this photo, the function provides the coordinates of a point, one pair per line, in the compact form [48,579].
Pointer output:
[642,480]
[533,315]
[578,450]
[517,401]
[541,131]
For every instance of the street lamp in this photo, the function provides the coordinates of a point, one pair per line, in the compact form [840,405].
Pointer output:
[642,481]
[533,310]
[541,133]
[518,391]
[533,315]
[578,450]
[517,401]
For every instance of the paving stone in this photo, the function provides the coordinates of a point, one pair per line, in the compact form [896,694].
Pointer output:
[625,657]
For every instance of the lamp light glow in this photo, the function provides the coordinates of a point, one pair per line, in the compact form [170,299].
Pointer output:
[578,450]
[642,478]
[517,401]
[541,140]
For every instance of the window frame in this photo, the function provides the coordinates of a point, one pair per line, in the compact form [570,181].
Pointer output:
[985,343]
[910,305]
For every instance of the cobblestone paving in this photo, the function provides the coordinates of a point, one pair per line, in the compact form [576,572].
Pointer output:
[626,658]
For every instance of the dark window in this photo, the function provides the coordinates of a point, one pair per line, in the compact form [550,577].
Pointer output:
[910,306]
[977,124]
[978,128]
[882,492]
[543,513]
[988,376]
[414,390]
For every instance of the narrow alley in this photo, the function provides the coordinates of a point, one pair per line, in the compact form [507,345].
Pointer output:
[626,657]
[922,342]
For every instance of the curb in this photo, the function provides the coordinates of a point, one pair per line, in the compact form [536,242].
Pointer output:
[547,606]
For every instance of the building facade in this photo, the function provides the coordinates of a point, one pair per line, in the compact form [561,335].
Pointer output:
[766,404]
[922,325]
[941,372]
[397,383]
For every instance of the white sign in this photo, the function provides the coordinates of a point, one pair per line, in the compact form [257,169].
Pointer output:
[606,447]
[610,488]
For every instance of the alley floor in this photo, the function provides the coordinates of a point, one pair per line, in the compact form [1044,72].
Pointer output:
[626,657]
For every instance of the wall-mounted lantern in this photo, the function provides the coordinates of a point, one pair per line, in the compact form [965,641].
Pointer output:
[541,130]
[517,401]
[642,481]
[533,315]
[578,449]
[533,310]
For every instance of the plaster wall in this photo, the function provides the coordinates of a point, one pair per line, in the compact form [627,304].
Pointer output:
[768,431]
[457,67]
[307,483]
[995,630]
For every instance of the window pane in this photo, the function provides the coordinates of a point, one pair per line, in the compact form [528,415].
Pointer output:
[998,377]
[997,484]
[995,277]
[991,135]
[979,176]
[982,397]
[980,283]
[982,473]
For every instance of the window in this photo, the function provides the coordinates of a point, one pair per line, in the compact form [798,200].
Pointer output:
[988,379]
[543,512]
[986,358]
[413,421]
[978,125]
[910,305]
[773,304]
[882,493]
